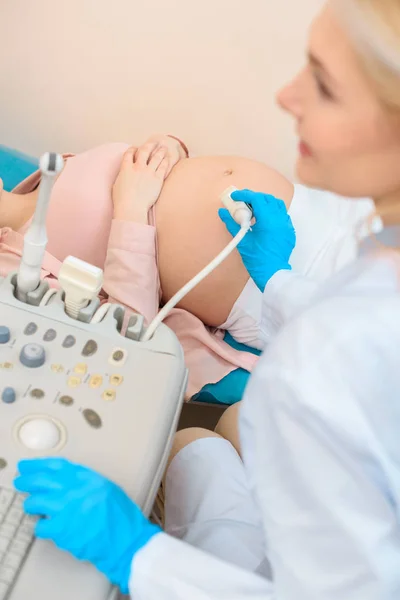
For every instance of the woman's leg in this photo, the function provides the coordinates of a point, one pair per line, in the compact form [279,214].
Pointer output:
[227,426]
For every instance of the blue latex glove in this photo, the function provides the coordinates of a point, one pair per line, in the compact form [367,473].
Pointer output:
[265,249]
[87,515]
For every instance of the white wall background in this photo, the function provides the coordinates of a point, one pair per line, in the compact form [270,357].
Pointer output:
[76,73]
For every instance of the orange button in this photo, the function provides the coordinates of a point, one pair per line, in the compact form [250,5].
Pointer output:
[74,381]
[116,380]
[95,381]
[108,395]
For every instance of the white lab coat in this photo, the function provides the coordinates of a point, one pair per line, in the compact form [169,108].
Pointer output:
[320,431]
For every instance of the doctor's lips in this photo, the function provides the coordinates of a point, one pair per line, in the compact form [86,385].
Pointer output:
[304,150]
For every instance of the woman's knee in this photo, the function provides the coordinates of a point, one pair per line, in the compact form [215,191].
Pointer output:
[227,426]
[184,437]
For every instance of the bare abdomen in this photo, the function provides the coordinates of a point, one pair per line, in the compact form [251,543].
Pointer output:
[190,233]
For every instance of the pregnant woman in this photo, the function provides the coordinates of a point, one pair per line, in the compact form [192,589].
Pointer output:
[149,218]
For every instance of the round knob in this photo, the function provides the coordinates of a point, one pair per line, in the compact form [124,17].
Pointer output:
[32,356]
[8,396]
[4,334]
[39,434]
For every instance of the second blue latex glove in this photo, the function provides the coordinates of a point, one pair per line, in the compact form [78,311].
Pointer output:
[267,247]
[86,515]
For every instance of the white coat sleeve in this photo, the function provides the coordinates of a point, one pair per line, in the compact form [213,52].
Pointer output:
[285,295]
[169,569]
[315,421]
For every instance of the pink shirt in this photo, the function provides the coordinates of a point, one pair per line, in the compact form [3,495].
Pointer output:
[80,223]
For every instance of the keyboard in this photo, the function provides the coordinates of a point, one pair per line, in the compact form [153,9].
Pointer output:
[16,536]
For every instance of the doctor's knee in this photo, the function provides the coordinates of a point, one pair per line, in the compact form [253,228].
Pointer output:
[184,437]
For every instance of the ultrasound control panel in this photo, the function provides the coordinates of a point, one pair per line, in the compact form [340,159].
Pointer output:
[86,392]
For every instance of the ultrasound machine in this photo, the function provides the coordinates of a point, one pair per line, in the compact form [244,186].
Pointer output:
[76,382]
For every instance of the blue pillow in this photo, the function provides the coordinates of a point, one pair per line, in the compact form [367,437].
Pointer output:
[15,166]
[231,388]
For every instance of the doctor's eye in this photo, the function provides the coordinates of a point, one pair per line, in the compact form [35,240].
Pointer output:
[323,89]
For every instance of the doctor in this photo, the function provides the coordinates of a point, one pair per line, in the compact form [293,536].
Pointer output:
[320,422]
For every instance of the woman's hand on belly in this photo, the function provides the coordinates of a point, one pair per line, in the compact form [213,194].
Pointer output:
[174,149]
[139,182]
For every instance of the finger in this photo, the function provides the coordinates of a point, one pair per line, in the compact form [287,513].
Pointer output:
[144,153]
[243,196]
[258,201]
[255,199]
[157,158]
[129,156]
[33,465]
[42,481]
[44,529]
[46,505]
[230,223]
[163,170]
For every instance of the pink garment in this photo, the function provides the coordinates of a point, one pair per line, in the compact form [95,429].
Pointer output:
[80,223]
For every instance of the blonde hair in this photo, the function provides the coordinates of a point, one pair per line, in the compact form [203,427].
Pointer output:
[374,29]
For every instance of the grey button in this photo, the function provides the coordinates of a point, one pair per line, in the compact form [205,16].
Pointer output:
[37,393]
[14,516]
[3,463]
[7,574]
[4,334]
[12,560]
[19,546]
[50,335]
[6,498]
[7,531]
[89,348]
[4,589]
[118,355]
[30,329]
[92,418]
[66,400]
[69,341]
[8,396]
[32,356]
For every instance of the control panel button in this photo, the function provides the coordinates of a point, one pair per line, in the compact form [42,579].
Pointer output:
[4,334]
[116,380]
[66,400]
[89,348]
[39,434]
[3,463]
[6,499]
[37,393]
[69,341]
[92,418]
[74,381]
[7,366]
[50,335]
[57,368]
[80,368]
[32,356]
[118,357]
[95,381]
[31,328]
[108,395]
[8,396]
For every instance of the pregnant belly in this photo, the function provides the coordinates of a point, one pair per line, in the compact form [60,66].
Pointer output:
[190,233]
